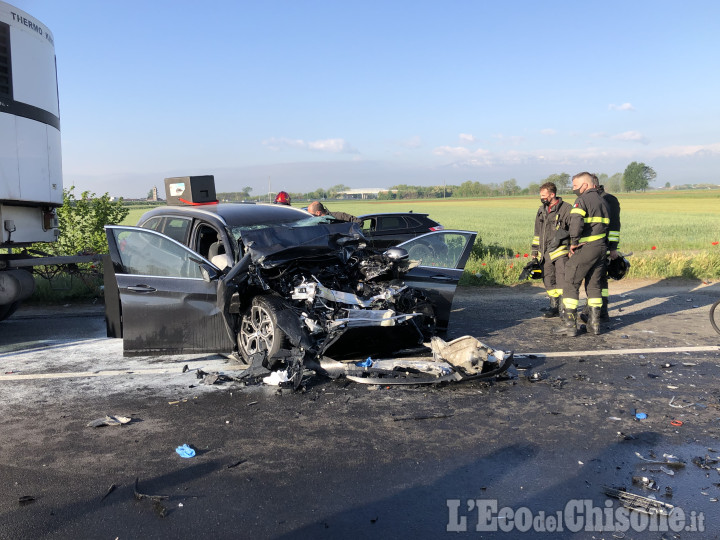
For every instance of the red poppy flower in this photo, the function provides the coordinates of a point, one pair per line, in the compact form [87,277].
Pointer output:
[517,255]
[511,266]
[484,264]
[654,247]
[526,255]
[714,243]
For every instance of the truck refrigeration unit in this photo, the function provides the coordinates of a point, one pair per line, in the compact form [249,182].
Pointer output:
[30,162]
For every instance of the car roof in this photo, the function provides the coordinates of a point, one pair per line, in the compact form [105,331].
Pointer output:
[381,214]
[231,214]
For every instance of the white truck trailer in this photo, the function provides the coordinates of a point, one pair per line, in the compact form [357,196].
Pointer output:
[31,185]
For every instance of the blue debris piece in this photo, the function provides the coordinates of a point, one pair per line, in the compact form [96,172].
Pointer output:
[185,451]
[368,362]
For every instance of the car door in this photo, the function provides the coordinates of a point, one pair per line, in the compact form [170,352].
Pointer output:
[166,305]
[442,256]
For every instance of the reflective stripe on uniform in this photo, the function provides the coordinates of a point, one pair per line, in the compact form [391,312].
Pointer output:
[597,219]
[588,239]
[605,293]
[614,236]
[578,211]
[595,302]
[536,241]
[554,293]
[570,303]
[559,252]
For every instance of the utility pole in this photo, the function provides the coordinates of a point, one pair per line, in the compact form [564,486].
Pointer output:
[268,195]
[444,192]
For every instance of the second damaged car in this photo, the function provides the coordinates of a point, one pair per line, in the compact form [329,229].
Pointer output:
[304,286]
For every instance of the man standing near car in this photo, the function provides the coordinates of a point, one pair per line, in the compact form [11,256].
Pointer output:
[552,218]
[613,241]
[318,209]
[589,224]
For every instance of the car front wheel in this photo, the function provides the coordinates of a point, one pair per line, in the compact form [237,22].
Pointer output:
[259,331]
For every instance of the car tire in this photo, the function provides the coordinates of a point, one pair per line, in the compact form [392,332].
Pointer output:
[259,331]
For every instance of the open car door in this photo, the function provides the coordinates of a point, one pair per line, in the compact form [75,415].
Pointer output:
[166,305]
[442,256]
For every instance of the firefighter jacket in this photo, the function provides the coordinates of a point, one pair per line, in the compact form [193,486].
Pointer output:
[589,219]
[614,207]
[548,221]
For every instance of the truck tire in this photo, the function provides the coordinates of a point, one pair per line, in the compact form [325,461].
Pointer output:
[8,309]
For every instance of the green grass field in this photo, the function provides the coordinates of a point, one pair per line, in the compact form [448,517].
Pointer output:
[671,234]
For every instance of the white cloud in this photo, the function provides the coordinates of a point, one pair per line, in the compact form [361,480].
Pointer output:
[623,107]
[466,138]
[334,146]
[460,152]
[548,131]
[634,136]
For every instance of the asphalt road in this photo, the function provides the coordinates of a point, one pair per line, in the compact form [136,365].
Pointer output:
[347,460]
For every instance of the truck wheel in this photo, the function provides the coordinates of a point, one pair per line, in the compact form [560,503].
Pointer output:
[259,331]
[8,309]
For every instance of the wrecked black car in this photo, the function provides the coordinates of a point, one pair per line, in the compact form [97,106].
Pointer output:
[297,286]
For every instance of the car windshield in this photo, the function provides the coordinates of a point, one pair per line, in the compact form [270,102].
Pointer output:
[310,221]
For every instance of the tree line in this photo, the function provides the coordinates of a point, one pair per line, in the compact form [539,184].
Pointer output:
[636,177]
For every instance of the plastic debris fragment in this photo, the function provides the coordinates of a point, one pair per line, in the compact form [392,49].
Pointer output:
[185,451]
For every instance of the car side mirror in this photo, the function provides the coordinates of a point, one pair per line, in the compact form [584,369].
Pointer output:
[395,254]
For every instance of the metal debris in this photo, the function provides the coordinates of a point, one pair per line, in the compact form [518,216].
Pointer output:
[645,482]
[639,503]
[109,421]
[705,463]
[109,491]
[140,496]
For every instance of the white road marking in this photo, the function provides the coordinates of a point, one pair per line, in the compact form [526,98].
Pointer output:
[617,352]
[209,366]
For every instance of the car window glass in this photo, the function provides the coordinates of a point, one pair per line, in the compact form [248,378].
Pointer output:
[413,222]
[441,249]
[389,223]
[176,228]
[150,254]
[153,223]
[205,238]
[368,224]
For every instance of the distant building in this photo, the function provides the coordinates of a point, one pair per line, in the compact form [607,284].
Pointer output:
[361,193]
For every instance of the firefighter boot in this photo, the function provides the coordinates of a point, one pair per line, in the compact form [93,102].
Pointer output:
[593,323]
[554,310]
[585,313]
[604,315]
[568,324]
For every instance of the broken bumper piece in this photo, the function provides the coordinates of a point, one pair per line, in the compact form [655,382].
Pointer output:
[463,359]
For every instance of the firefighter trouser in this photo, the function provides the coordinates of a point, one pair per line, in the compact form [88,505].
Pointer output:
[587,263]
[554,275]
[604,287]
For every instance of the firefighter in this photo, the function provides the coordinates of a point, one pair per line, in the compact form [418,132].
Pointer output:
[552,217]
[613,241]
[589,223]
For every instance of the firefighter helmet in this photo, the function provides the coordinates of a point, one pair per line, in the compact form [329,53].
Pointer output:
[617,268]
[533,270]
[282,198]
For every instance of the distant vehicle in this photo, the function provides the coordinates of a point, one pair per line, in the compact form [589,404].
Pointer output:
[391,229]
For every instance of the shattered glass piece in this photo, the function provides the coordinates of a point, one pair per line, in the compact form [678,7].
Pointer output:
[109,421]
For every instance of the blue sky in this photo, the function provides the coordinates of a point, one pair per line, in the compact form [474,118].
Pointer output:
[315,93]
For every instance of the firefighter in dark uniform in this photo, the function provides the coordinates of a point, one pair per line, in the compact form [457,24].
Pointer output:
[613,241]
[589,224]
[552,216]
